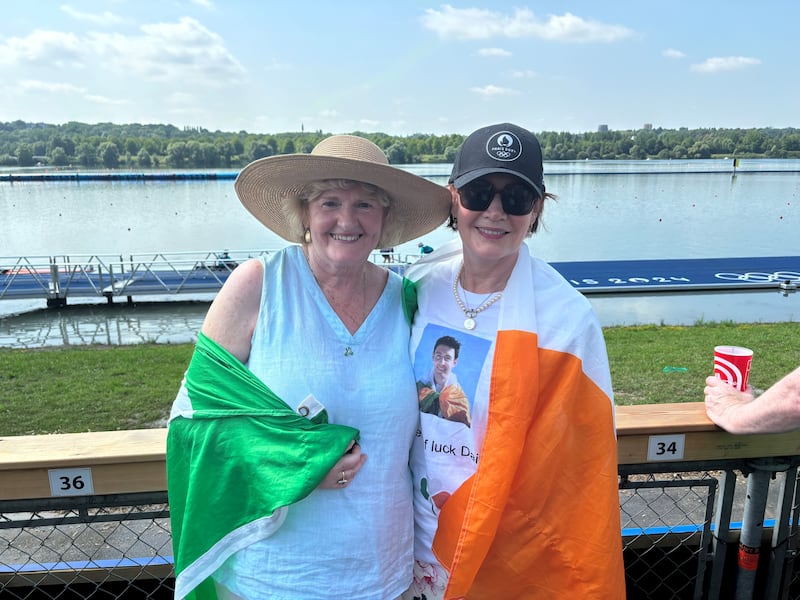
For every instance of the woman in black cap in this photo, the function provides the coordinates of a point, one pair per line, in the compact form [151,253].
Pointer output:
[523,502]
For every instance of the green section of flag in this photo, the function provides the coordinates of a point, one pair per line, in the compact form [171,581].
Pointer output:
[409,299]
[244,454]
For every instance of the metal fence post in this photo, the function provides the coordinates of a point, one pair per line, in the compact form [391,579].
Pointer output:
[753,523]
[721,539]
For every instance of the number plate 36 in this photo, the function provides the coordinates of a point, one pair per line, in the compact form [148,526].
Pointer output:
[71,482]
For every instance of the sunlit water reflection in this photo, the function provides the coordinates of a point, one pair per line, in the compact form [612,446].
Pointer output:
[172,322]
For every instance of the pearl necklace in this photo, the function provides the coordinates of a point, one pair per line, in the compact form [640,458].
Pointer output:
[471,313]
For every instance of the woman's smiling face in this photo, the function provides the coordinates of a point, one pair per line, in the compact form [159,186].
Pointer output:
[492,234]
[345,225]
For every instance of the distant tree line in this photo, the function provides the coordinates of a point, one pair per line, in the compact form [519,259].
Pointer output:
[135,146]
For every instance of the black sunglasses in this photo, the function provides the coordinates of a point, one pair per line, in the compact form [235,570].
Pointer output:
[517,198]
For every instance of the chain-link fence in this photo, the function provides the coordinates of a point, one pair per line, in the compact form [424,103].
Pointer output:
[86,547]
[683,526]
[680,528]
[666,527]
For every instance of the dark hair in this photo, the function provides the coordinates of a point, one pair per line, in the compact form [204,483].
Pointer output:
[449,342]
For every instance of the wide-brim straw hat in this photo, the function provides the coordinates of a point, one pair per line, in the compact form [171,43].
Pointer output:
[266,185]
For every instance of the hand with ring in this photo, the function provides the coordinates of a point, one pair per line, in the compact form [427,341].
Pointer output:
[345,468]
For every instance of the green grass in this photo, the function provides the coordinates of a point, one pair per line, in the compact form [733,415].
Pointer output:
[639,354]
[88,388]
[102,388]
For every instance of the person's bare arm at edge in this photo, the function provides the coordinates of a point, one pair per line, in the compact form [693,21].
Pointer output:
[777,410]
[231,319]
[230,322]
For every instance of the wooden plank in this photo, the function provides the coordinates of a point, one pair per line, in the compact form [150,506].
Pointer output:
[119,462]
[687,423]
[715,445]
[121,478]
[135,461]
[77,449]
[653,419]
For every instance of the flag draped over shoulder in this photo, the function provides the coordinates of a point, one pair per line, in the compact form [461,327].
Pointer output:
[235,459]
[540,517]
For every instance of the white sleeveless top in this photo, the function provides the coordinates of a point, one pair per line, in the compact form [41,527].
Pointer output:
[354,543]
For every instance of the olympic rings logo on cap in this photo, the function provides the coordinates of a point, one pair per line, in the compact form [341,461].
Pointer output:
[504,146]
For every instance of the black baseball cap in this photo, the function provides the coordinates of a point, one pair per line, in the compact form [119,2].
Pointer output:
[501,148]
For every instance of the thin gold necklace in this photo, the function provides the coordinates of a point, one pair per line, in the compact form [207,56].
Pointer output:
[342,310]
[471,313]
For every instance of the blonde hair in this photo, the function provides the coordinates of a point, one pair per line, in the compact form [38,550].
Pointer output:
[296,207]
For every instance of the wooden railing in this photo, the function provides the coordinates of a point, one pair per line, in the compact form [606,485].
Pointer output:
[665,438]
[637,425]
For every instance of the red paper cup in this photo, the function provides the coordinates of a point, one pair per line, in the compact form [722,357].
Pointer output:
[732,364]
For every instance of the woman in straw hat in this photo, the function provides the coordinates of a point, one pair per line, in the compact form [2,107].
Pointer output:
[298,375]
[527,506]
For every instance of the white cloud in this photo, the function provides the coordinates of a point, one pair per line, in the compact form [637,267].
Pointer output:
[493,52]
[523,74]
[494,90]
[204,3]
[32,85]
[328,113]
[187,111]
[42,48]
[65,89]
[104,100]
[105,18]
[184,51]
[180,98]
[726,63]
[672,53]
[481,24]
[569,28]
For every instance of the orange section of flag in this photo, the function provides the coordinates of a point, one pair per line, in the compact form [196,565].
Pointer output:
[540,517]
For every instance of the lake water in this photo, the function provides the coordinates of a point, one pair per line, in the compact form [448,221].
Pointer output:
[606,210]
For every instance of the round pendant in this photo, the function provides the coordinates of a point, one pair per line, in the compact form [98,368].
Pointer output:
[469,323]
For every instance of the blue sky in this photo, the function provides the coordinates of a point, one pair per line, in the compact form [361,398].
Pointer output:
[402,67]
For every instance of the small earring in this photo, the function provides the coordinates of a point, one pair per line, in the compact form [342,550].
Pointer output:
[307,235]
[453,224]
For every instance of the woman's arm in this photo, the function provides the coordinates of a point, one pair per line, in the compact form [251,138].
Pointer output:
[777,410]
[231,319]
